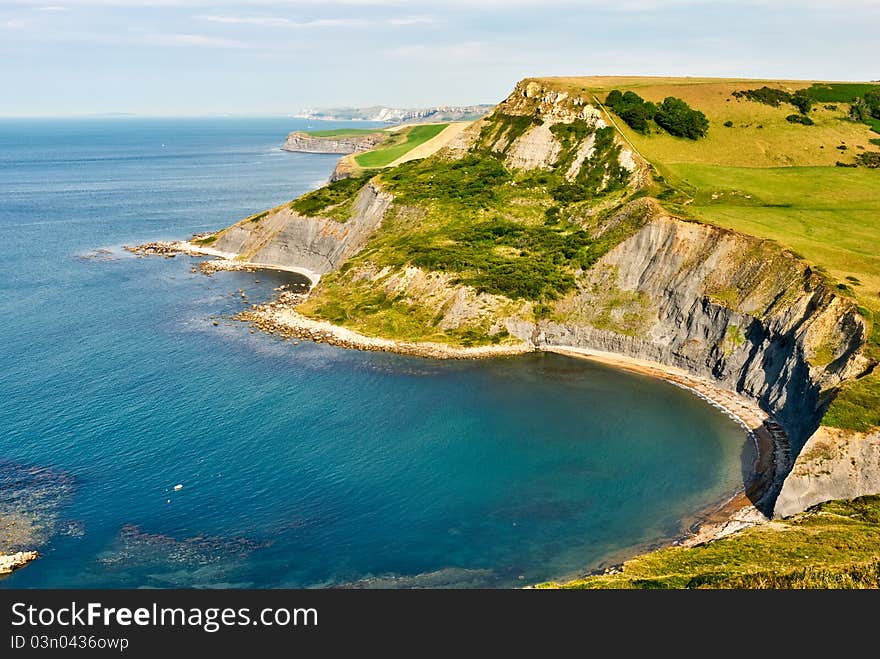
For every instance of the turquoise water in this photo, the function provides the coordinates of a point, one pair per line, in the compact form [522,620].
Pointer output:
[301,465]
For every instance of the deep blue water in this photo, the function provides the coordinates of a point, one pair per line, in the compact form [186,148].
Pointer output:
[301,465]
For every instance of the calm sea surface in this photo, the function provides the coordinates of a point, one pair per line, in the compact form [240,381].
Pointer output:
[302,465]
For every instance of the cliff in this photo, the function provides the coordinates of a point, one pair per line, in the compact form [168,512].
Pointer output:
[303,142]
[538,223]
[834,464]
[438,114]
[313,245]
[720,305]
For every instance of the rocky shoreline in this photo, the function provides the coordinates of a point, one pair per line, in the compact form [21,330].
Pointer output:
[747,507]
[279,317]
[11,562]
[224,261]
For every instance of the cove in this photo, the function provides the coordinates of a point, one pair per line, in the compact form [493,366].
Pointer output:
[302,465]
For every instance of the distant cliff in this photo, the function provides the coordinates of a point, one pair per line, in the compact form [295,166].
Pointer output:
[437,113]
[305,143]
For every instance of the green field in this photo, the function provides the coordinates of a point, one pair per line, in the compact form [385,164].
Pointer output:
[342,132]
[400,144]
[828,215]
[834,546]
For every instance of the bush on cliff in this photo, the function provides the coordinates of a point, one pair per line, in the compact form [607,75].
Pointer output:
[313,204]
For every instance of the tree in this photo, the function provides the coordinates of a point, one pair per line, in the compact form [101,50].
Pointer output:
[614,99]
[679,119]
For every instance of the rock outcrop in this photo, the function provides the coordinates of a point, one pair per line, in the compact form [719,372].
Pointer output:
[11,562]
[318,245]
[834,464]
[305,143]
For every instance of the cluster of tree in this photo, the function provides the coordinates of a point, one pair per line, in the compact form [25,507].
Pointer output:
[771,96]
[866,107]
[632,108]
[673,115]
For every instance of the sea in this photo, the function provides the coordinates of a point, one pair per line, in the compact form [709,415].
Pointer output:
[147,439]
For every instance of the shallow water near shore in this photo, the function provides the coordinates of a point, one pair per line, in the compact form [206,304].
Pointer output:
[302,465]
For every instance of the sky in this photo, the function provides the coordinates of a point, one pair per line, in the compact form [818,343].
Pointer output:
[258,57]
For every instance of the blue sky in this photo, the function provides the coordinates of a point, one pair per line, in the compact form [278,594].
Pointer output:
[195,57]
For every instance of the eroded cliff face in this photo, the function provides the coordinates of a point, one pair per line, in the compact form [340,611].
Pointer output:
[525,131]
[314,245]
[305,143]
[720,305]
[834,464]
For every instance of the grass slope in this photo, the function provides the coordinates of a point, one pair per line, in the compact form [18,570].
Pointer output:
[401,143]
[833,546]
[829,215]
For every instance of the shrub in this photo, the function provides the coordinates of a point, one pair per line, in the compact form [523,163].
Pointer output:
[728,124]
[766,95]
[870,159]
[799,119]
[679,119]
[541,271]
[469,181]
[801,101]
